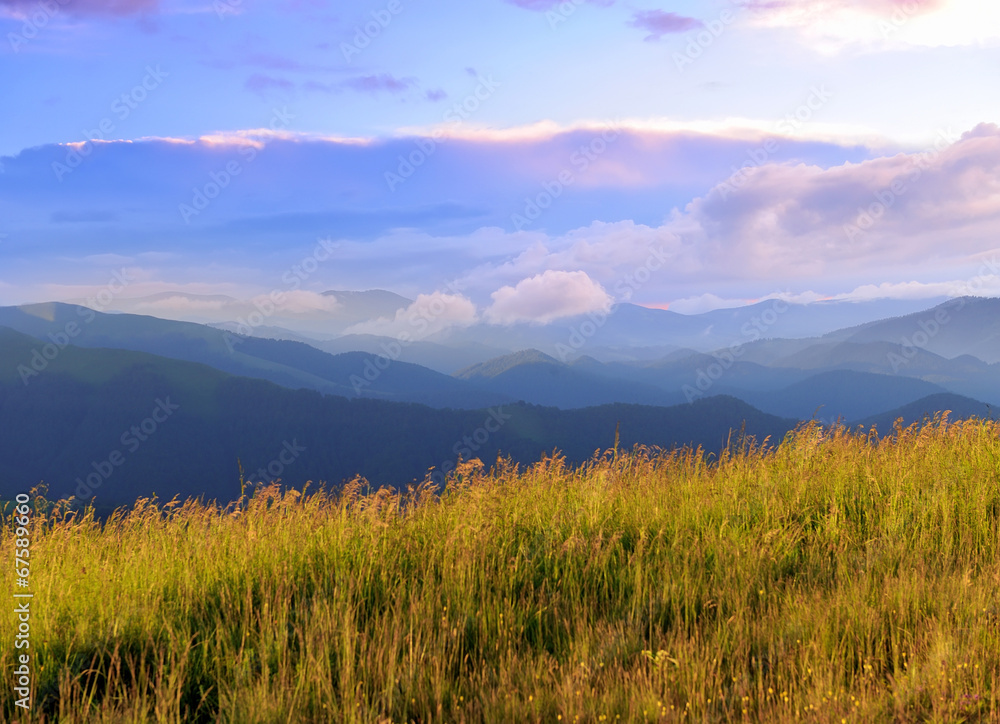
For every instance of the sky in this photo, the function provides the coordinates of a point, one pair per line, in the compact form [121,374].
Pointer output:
[519,160]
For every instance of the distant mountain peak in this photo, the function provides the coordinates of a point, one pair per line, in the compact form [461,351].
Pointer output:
[367,294]
[499,365]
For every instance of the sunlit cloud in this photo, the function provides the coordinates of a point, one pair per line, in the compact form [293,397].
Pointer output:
[429,314]
[547,297]
[832,25]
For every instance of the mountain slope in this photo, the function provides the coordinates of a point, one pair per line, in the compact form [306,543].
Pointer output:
[841,394]
[967,325]
[961,408]
[442,358]
[130,424]
[284,362]
[366,305]
[536,377]
[329,315]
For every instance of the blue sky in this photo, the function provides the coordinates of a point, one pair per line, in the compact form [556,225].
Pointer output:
[422,140]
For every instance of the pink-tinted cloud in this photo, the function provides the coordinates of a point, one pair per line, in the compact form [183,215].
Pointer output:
[831,25]
[114,8]
[546,297]
[659,23]
[797,222]
[788,221]
[375,83]
[426,316]
[819,8]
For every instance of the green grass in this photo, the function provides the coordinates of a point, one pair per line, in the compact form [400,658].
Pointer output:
[833,578]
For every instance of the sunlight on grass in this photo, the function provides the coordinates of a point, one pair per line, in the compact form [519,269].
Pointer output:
[836,577]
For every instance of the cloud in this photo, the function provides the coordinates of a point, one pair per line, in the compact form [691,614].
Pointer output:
[379,82]
[802,221]
[546,297]
[832,25]
[673,229]
[177,305]
[659,23]
[614,255]
[373,83]
[301,302]
[985,283]
[803,13]
[428,315]
[81,8]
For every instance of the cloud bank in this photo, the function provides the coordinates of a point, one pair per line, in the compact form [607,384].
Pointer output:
[82,8]
[676,218]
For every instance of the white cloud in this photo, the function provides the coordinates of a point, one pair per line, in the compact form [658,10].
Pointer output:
[831,25]
[786,227]
[804,222]
[546,297]
[704,303]
[609,253]
[176,305]
[985,283]
[300,302]
[428,315]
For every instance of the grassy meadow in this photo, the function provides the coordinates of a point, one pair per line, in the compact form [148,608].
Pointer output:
[836,577]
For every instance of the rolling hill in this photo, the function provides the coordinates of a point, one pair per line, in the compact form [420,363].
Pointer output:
[841,394]
[536,377]
[962,326]
[926,408]
[130,424]
[288,363]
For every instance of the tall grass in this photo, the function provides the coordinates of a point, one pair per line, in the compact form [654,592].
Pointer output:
[836,577]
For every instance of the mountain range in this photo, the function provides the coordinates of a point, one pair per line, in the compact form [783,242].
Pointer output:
[176,407]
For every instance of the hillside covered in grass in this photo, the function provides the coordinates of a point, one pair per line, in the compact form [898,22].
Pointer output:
[837,577]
